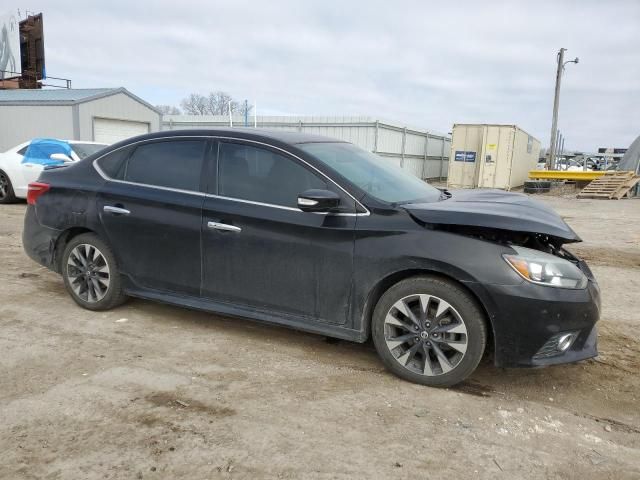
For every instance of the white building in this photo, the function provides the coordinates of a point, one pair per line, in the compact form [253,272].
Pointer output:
[423,153]
[96,114]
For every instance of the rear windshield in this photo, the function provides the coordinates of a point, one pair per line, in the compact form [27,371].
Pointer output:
[83,150]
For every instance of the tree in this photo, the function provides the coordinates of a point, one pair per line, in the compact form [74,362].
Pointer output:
[216,103]
[195,104]
[168,110]
[219,103]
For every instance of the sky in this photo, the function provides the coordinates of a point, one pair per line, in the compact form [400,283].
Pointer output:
[418,63]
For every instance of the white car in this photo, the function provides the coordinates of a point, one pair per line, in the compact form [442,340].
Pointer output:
[23,163]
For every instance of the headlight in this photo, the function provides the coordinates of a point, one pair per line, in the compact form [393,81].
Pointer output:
[545,269]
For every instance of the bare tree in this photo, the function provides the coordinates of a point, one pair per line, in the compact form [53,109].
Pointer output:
[218,103]
[195,104]
[168,110]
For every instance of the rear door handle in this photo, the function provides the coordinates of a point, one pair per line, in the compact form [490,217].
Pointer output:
[116,210]
[224,227]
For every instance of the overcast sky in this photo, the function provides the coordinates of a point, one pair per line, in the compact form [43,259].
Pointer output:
[426,64]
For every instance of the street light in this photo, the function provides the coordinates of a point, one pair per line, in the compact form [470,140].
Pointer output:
[556,104]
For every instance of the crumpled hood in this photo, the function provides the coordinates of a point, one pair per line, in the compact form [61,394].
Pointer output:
[494,209]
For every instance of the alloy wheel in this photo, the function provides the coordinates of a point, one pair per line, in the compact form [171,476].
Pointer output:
[425,334]
[88,273]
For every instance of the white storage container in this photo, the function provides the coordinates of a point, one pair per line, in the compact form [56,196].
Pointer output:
[491,156]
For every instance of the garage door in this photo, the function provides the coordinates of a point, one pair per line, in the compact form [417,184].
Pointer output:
[107,130]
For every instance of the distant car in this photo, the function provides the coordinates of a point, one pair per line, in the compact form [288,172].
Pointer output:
[317,234]
[23,164]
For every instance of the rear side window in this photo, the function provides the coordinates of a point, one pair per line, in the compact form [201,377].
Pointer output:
[83,150]
[260,175]
[173,164]
[113,164]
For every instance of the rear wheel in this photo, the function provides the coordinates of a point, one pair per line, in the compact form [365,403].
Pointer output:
[90,273]
[7,194]
[429,331]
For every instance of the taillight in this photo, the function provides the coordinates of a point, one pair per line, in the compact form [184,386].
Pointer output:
[36,189]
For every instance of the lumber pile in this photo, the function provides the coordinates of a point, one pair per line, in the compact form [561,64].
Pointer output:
[612,186]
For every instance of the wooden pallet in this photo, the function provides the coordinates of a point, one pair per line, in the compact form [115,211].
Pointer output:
[613,185]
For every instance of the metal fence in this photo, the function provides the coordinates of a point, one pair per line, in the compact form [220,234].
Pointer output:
[423,153]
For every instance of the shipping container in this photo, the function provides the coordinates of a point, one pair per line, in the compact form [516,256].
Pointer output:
[424,153]
[491,156]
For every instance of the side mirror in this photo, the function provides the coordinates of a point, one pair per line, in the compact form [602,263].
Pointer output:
[60,157]
[318,201]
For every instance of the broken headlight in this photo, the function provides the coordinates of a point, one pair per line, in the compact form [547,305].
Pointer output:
[546,269]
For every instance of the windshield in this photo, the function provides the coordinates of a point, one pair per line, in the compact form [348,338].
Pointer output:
[378,177]
[83,150]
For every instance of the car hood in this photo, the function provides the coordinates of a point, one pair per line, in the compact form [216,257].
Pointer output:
[494,209]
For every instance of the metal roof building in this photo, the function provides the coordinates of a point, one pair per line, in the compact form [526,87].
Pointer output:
[93,114]
[422,152]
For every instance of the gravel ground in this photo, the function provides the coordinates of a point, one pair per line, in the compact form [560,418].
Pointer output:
[158,392]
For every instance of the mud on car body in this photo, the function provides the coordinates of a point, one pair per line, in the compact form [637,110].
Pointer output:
[318,235]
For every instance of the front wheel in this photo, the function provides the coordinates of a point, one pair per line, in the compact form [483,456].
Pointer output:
[91,274]
[429,330]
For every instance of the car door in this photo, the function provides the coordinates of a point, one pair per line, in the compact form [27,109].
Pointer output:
[261,251]
[151,209]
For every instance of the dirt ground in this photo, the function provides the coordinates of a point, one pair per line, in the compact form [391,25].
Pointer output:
[152,391]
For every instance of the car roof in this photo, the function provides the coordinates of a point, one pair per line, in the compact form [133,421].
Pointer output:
[282,136]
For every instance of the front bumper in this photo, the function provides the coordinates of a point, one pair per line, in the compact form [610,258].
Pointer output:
[524,317]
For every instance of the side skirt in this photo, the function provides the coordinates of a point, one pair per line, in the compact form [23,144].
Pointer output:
[296,323]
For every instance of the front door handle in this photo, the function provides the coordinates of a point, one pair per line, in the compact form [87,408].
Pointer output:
[224,227]
[116,210]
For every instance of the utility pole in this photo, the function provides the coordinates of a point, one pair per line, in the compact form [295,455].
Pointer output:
[557,149]
[246,113]
[556,105]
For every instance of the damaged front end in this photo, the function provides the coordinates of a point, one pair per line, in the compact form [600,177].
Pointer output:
[534,241]
[550,317]
[497,216]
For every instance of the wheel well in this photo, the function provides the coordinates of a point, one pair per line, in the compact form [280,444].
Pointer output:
[62,241]
[394,278]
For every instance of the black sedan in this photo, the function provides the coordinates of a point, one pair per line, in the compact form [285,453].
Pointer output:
[318,235]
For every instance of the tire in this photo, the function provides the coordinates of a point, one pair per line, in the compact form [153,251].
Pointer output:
[536,190]
[7,194]
[453,316]
[537,184]
[91,274]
